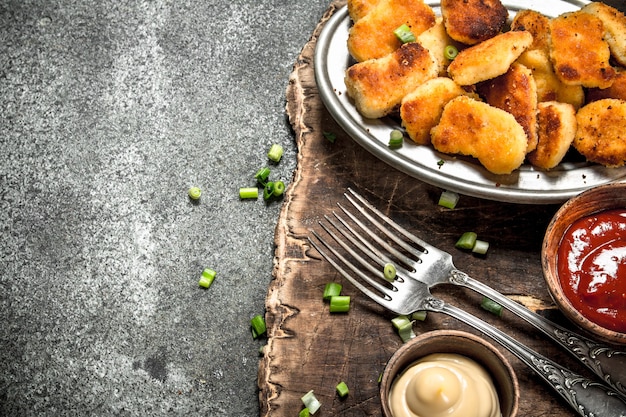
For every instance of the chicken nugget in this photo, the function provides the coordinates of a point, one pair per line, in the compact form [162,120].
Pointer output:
[616,90]
[379,85]
[537,24]
[421,110]
[515,92]
[490,58]
[601,132]
[615,25]
[557,128]
[372,36]
[492,135]
[359,8]
[473,21]
[435,40]
[579,53]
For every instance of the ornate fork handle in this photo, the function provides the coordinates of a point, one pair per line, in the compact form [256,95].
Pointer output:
[609,364]
[588,398]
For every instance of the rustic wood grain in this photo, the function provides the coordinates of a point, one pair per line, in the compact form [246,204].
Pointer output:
[310,349]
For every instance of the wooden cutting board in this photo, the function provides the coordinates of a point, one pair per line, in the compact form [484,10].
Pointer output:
[310,349]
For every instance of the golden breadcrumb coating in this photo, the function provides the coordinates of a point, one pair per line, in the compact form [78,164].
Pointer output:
[420,110]
[615,25]
[359,8]
[515,92]
[557,128]
[378,85]
[601,132]
[435,40]
[471,127]
[579,53]
[616,90]
[490,58]
[473,21]
[537,24]
[372,36]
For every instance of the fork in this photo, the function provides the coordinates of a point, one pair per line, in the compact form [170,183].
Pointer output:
[406,295]
[433,266]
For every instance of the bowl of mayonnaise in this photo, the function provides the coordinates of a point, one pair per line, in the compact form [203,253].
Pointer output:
[449,373]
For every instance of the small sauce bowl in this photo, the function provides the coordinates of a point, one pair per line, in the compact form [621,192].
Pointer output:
[462,343]
[595,200]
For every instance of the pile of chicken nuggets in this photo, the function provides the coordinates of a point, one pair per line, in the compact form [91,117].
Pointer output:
[522,90]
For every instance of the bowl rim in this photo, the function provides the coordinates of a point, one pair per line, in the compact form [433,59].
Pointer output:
[399,362]
[587,202]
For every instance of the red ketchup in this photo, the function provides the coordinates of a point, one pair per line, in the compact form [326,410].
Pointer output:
[591,262]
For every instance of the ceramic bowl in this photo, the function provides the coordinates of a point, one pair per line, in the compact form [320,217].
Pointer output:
[463,343]
[604,197]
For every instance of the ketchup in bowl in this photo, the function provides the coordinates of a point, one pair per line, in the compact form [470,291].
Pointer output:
[591,262]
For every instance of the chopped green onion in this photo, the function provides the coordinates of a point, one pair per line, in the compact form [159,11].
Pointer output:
[396,139]
[194,193]
[404,34]
[249,192]
[275,152]
[450,52]
[310,401]
[390,272]
[441,162]
[448,199]
[400,321]
[480,247]
[262,175]
[258,325]
[331,137]
[339,304]
[406,332]
[332,289]
[491,306]
[466,241]
[304,413]
[279,188]
[268,191]
[208,275]
[342,389]
[380,378]
[419,315]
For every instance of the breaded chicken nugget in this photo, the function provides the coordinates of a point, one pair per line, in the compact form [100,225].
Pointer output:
[616,90]
[421,110]
[372,36]
[549,86]
[473,21]
[359,8]
[378,85]
[579,53]
[515,92]
[615,25]
[601,132]
[557,128]
[435,40]
[474,128]
[537,24]
[490,58]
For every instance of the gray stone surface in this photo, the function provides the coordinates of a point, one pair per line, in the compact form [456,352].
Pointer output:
[109,112]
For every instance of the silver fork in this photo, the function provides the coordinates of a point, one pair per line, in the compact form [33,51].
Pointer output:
[406,295]
[433,266]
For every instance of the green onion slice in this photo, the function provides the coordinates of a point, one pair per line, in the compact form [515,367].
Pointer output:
[466,241]
[450,52]
[339,304]
[207,277]
[404,34]
[194,193]
[331,137]
[268,191]
[279,188]
[275,152]
[400,321]
[332,289]
[390,272]
[419,315]
[262,175]
[249,193]
[406,332]
[396,139]
[491,306]
[311,402]
[304,413]
[448,199]
[342,389]
[258,325]
[480,247]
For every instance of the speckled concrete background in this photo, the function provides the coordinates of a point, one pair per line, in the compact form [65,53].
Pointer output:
[109,112]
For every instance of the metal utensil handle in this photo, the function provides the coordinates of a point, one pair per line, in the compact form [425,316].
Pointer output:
[588,398]
[606,362]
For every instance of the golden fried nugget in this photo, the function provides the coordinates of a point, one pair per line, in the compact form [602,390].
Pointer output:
[557,128]
[372,36]
[473,21]
[379,85]
[616,90]
[579,53]
[601,132]
[490,58]
[549,86]
[435,40]
[515,92]
[537,24]
[615,25]
[359,8]
[421,110]
[471,127]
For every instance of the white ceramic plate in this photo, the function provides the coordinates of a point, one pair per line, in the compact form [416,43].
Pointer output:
[463,175]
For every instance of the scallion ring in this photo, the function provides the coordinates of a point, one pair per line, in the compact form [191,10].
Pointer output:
[279,188]
[194,193]
[450,52]
[404,34]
